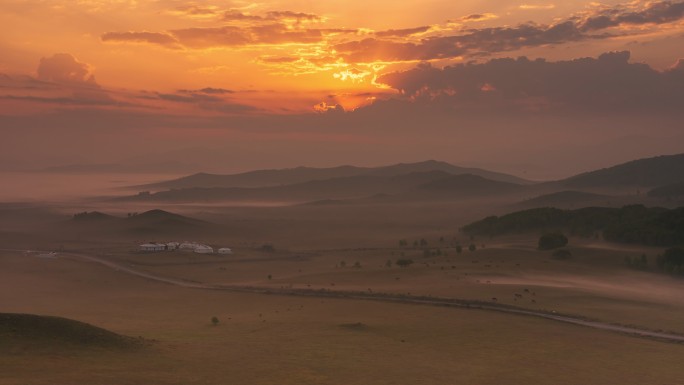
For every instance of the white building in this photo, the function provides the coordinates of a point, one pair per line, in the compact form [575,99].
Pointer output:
[225,250]
[204,249]
[152,247]
[188,246]
[172,245]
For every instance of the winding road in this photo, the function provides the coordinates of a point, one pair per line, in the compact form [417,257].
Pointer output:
[386,297]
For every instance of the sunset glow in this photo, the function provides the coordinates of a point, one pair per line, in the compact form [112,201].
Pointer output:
[209,59]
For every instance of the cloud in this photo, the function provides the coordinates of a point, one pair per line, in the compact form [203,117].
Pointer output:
[607,84]
[536,6]
[659,12]
[163,39]
[277,16]
[403,32]
[64,68]
[208,90]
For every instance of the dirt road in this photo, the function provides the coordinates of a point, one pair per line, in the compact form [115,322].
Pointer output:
[387,297]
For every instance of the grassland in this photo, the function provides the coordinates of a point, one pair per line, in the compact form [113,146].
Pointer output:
[277,339]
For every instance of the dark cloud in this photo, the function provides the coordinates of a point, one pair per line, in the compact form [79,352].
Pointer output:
[402,32]
[607,84]
[226,36]
[208,90]
[207,99]
[483,41]
[189,98]
[64,68]
[141,37]
[212,37]
[654,13]
[475,16]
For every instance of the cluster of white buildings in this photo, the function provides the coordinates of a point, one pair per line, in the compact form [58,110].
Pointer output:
[198,248]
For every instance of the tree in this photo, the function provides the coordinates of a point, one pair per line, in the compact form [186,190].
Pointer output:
[270,277]
[357,265]
[388,263]
[550,241]
[214,320]
[672,260]
[403,243]
[459,249]
[472,247]
[404,262]
[423,242]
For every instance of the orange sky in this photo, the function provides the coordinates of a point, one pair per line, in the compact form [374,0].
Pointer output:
[240,58]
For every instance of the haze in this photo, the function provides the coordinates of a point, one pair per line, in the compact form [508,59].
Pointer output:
[341,192]
[227,87]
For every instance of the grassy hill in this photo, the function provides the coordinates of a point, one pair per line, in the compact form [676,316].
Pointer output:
[149,223]
[37,331]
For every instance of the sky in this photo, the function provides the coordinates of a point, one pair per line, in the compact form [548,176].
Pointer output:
[540,89]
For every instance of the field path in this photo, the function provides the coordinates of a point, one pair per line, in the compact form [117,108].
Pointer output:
[387,297]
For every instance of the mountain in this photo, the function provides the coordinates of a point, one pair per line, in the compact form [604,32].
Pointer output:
[268,178]
[650,172]
[415,185]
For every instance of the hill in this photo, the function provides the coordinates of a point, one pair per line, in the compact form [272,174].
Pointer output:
[270,178]
[46,331]
[149,223]
[673,190]
[566,198]
[638,224]
[650,172]
[469,185]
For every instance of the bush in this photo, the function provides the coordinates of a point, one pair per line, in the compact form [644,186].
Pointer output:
[550,241]
[404,262]
[672,261]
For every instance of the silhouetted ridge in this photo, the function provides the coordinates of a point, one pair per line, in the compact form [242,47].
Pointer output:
[270,178]
[650,172]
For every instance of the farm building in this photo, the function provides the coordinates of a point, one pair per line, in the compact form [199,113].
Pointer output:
[225,250]
[204,249]
[172,245]
[152,247]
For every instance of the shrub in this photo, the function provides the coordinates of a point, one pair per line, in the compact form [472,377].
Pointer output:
[404,262]
[550,241]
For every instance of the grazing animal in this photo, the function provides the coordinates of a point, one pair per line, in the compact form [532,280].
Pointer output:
[518,295]
[494,299]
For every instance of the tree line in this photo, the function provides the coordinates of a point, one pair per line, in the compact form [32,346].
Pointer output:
[653,226]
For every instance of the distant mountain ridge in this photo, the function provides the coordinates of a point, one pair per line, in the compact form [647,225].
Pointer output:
[647,172]
[276,177]
[419,181]
[414,185]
